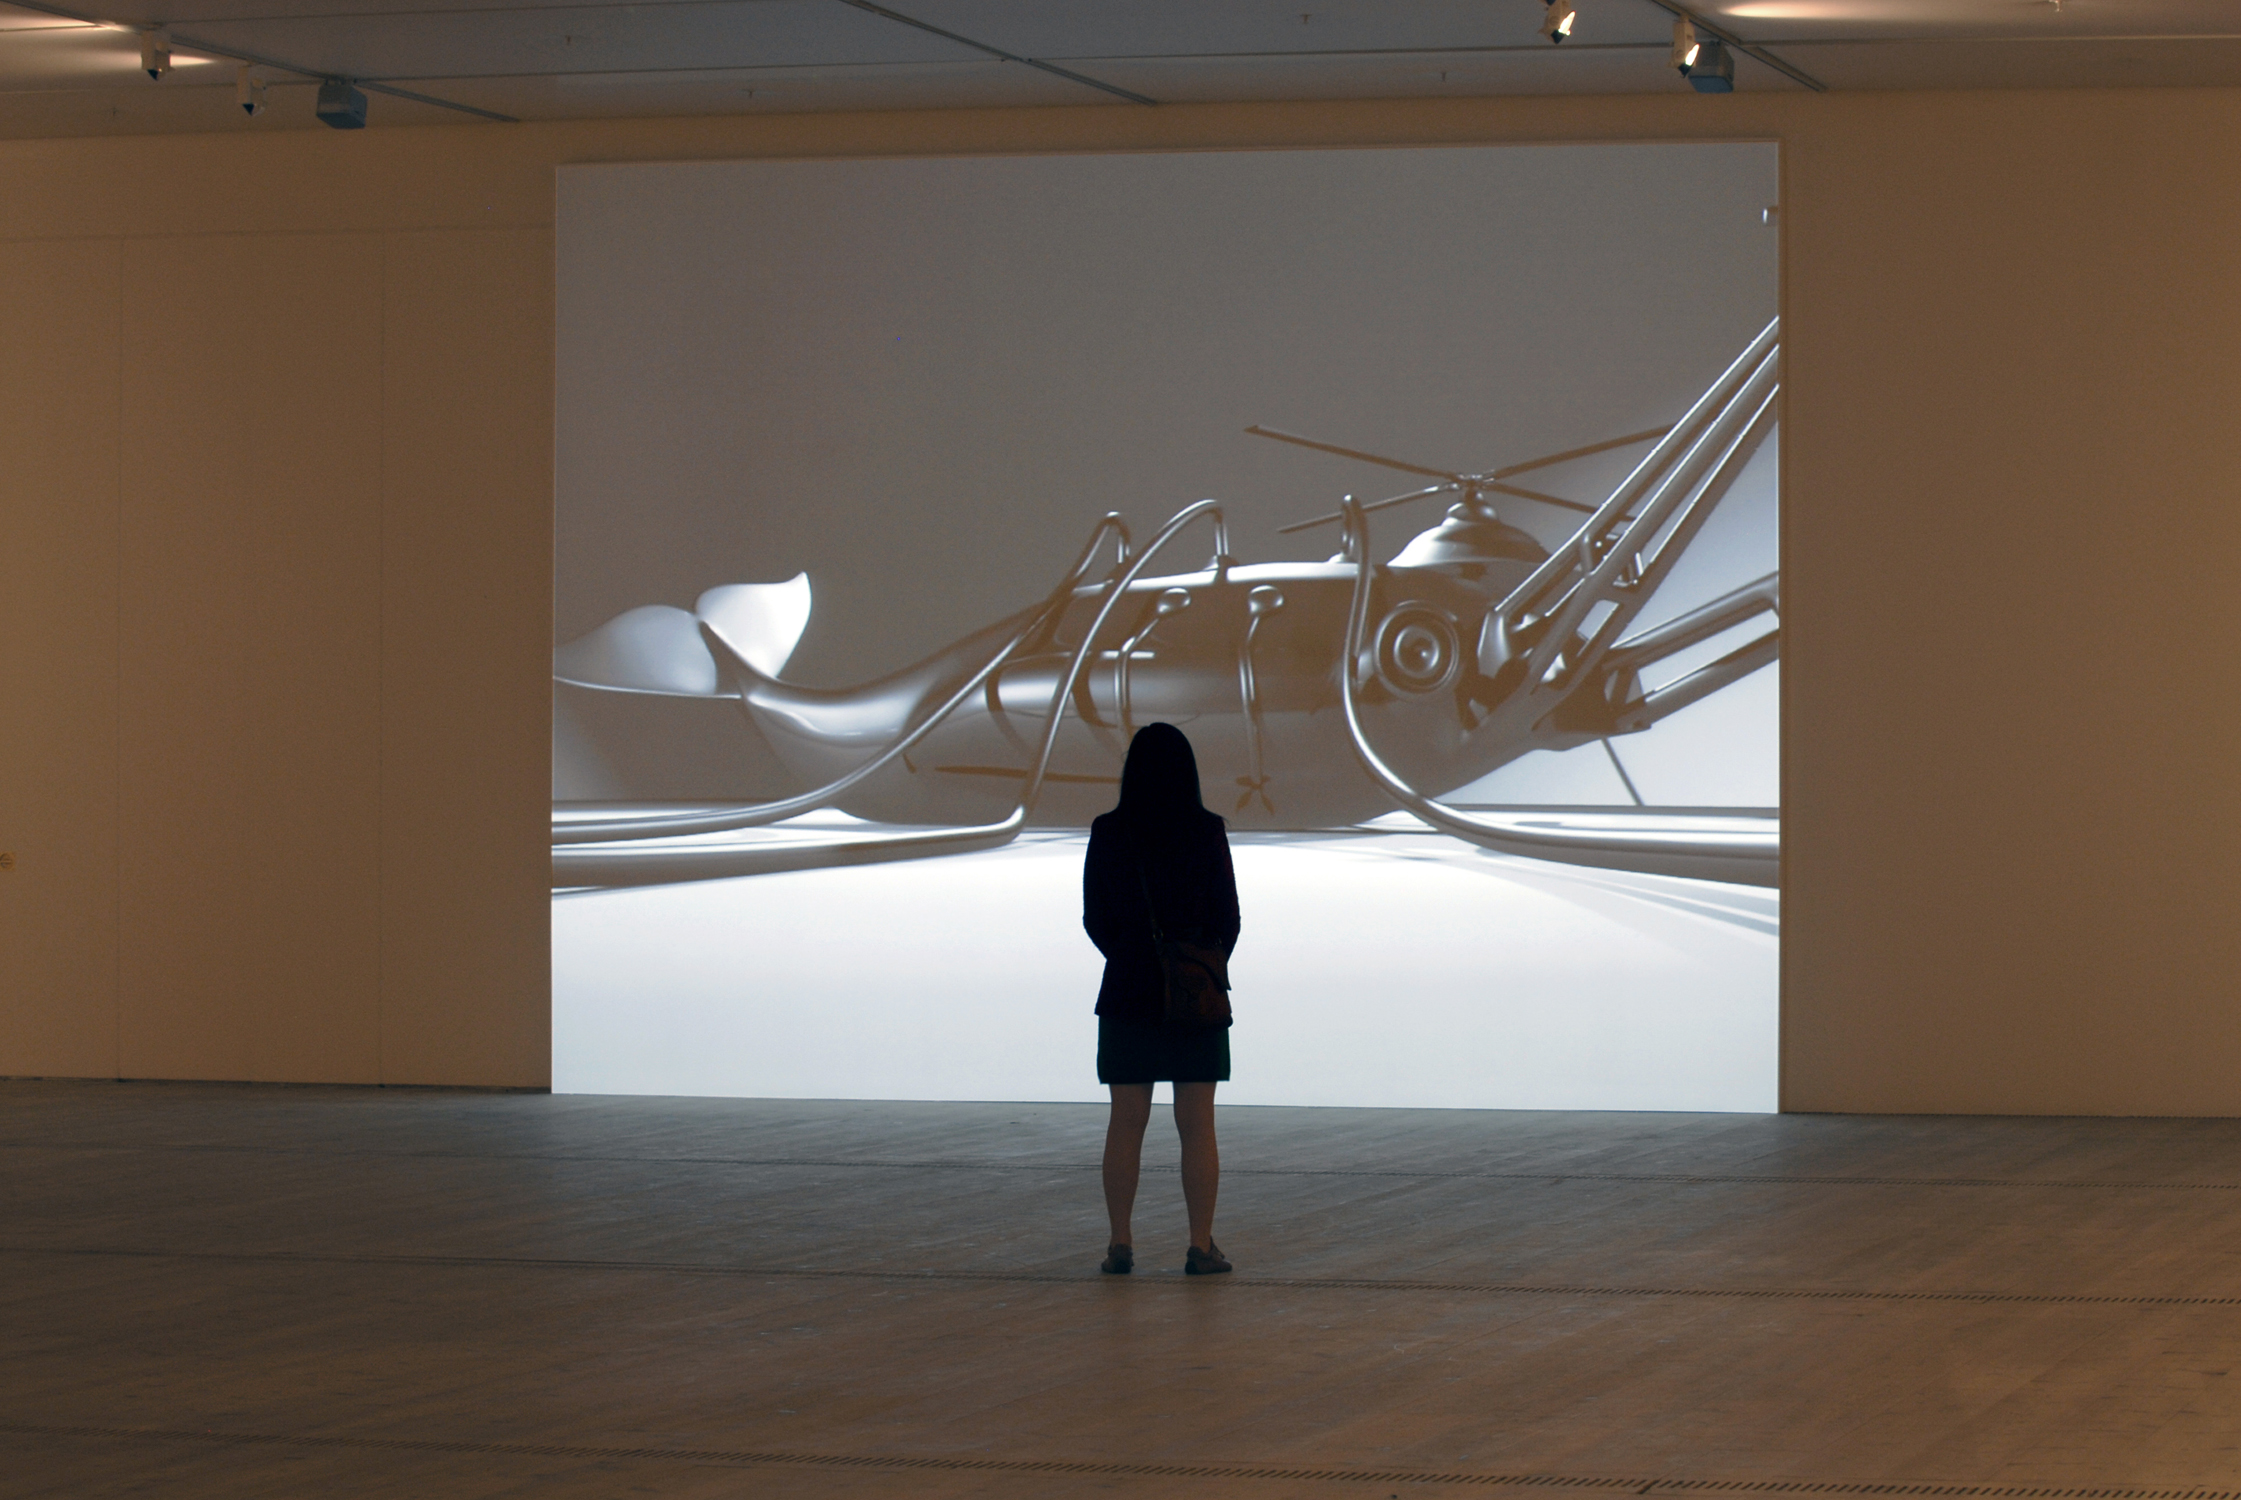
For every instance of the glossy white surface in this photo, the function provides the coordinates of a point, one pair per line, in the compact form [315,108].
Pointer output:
[1396,968]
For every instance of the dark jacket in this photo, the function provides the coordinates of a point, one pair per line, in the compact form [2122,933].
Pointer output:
[1192,885]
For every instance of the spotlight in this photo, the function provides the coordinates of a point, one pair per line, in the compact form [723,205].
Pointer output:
[340,105]
[155,52]
[1714,69]
[1685,47]
[1557,24]
[248,92]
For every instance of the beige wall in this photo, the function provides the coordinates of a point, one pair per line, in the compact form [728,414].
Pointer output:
[275,487]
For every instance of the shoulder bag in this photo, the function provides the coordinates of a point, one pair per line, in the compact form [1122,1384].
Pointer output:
[1194,977]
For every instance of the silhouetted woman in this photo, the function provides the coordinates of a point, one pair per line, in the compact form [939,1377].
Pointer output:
[1160,849]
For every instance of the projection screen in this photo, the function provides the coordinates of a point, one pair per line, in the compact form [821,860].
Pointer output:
[865,571]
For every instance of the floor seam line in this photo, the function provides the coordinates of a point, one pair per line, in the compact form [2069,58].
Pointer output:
[1179,1469]
[1009,1278]
[1553,1176]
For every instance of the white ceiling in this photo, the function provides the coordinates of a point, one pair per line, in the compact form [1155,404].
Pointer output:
[552,59]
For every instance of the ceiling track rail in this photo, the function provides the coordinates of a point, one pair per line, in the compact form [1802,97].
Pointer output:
[997,52]
[262,60]
[1748,49]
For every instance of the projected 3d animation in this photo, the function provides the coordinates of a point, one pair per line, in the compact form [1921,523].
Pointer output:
[1432,493]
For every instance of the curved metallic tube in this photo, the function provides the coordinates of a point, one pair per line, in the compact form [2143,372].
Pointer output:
[756,814]
[1113,593]
[1744,860]
[638,864]
[1712,463]
[1263,601]
[1173,602]
[1681,436]
[609,865]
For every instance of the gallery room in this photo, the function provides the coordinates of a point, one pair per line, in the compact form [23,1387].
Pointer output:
[792,747]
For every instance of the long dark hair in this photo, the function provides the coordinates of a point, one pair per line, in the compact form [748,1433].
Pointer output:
[1159,782]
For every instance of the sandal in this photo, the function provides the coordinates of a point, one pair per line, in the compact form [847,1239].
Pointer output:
[1206,1262]
[1119,1260]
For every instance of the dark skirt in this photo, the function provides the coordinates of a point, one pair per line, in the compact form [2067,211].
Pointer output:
[1131,1052]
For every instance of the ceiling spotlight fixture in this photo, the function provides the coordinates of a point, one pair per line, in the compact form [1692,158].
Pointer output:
[155,52]
[340,105]
[1557,24]
[248,92]
[1685,47]
[1714,69]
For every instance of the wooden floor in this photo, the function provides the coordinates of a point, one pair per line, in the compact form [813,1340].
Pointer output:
[238,1291]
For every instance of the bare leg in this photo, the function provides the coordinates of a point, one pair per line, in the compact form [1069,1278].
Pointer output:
[1202,1162]
[1124,1152]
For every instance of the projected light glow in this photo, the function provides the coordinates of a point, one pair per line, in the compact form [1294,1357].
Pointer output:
[909,388]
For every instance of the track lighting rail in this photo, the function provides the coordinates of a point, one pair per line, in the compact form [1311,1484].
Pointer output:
[1756,53]
[999,53]
[232,53]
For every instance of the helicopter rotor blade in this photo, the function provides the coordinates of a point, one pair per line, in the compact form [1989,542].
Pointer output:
[1487,482]
[1437,489]
[1569,454]
[1525,494]
[1368,458]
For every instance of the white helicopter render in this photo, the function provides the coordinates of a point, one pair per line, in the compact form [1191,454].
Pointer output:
[1318,695]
